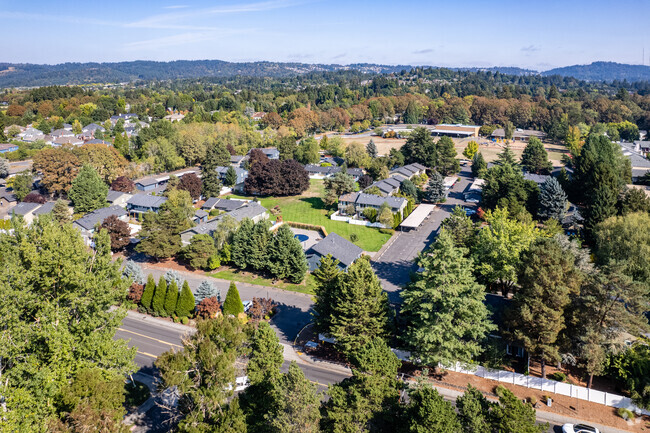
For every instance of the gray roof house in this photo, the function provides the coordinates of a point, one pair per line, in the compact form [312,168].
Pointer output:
[270,152]
[142,203]
[241,176]
[7,197]
[410,170]
[340,248]
[45,208]
[388,186]
[200,216]
[361,200]
[86,224]
[223,204]
[92,128]
[118,198]
[537,178]
[252,210]
[237,160]
[25,210]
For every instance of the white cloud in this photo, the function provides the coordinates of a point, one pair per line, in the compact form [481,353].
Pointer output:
[176,7]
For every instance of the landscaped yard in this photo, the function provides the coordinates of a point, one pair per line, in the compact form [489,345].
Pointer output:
[251,278]
[310,209]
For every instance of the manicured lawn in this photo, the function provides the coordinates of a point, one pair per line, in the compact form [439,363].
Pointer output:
[247,277]
[310,209]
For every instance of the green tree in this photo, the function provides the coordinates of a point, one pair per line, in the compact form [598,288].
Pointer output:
[547,278]
[186,302]
[460,227]
[286,258]
[371,149]
[412,113]
[210,355]
[367,401]
[259,244]
[474,411]
[60,293]
[233,304]
[326,279]
[241,244]
[624,241]
[634,200]
[23,184]
[297,404]
[470,150]
[356,156]
[231,177]
[512,415]
[535,157]
[148,293]
[436,190]
[362,311]
[447,162]
[171,298]
[632,367]
[199,251]
[506,187]
[385,215]
[88,191]
[61,211]
[4,168]
[499,247]
[507,156]
[552,200]
[337,185]
[428,412]
[444,306]
[159,295]
[420,148]
[205,290]
[508,129]
[601,201]
[308,151]
[408,188]
[479,166]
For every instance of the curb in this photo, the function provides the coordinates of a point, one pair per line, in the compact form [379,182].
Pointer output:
[165,323]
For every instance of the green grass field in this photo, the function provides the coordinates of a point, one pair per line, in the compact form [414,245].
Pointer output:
[246,277]
[310,209]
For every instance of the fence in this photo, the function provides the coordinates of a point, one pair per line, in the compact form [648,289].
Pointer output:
[336,216]
[547,385]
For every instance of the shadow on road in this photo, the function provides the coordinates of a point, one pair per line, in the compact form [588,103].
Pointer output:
[289,320]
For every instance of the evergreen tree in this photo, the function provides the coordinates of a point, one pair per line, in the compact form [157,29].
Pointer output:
[297,404]
[4,168]
[547,277]
[361,312]
[447,162]
[428,412]
[88,191]
[634,200]
[286,258]
[507,157]
[444,306]
[412,113]
[171,298]
[371,148]
[479,166]
[61,211]
[326,277]
[233,304]
[512,415]
[231,177]
[420,148]
[535,158]
[233,419]
[205,290]
[133,272]
[148,293]
[259,242]
[408,188]
[211,181]
[241,244]
[552,200]
[436,190]
[460,227]
[158,301]
[601,200]
[506,187]
[172,276]
[186,302]
[474,411]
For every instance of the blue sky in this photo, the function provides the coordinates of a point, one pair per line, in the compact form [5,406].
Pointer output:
[538,35]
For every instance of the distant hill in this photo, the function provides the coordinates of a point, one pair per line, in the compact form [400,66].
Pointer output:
[603,71]
[508,70]
[29,75]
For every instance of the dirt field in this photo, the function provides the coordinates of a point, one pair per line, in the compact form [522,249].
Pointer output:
[489,149]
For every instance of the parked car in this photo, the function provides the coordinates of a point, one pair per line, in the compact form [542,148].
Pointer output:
[247,305]
[579,428]
[469,212]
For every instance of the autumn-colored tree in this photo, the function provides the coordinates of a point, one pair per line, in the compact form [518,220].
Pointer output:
[118,230]
[208,308]
[58,168]
[191,183]
[123,184]
[34,197]
[108,162]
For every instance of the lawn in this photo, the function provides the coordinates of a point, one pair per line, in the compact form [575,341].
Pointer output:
[310,209]
[250,278]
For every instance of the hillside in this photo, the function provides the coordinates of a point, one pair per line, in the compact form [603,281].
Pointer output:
[603,71]
[29,75]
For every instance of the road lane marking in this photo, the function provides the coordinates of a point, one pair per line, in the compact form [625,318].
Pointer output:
[151,338]
[318,383]
[147,354]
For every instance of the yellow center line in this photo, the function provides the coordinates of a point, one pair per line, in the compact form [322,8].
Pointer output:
[147,354]
[150,338]
[318,383]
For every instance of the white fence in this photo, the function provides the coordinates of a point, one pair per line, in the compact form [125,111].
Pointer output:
[547,385]
[336,216]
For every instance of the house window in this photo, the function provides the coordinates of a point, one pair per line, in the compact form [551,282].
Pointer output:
[520,352]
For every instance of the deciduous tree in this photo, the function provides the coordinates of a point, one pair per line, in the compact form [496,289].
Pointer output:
[470,150]
[337,185]
[191,183]
[119,232]
[106,160]
[58,167]
[23,184]
[123,184]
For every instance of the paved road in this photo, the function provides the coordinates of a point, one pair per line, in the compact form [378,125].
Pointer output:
[394,264]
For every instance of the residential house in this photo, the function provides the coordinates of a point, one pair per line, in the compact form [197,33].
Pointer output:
[118,198]
[241,177]
[67,141]
[126,117]
[537,178]
[519,134]
[361,201]
[473,192]
[642,146]
[31,134]
[316,171]
[8,147]
[200,216]
[98,141]
[25,210]
[7,198]
[270,152]
[389,186]
[237,160]
[57,133]
[177,117]
[222,204]
[88,131]
[410,170]
[44,209]
[640,164]
[143,203]
[257,116]
[252,210]
[87,223]
[340,248]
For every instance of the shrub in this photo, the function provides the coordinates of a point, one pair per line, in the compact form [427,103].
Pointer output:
[626,414]
[185,304]
[171,298]
[559,376]
[147,294]
[214,261]
[261,308]
[208,308]
[354,237]
[133,272]
[387,231]
[532,400]
[135,293]
[158,302]
[233,304]
[185,320]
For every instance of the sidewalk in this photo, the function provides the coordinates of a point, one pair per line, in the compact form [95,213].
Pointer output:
[161,322]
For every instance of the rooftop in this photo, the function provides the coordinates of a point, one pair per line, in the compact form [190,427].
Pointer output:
[45,208]
[90,220]
[340,248]
[146,200]
[24,208]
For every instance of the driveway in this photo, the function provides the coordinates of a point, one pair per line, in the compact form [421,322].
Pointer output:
[394,264]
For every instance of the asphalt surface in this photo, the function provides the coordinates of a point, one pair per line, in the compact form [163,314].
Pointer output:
[395,263]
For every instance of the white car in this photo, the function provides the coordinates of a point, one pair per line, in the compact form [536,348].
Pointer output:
[579,428]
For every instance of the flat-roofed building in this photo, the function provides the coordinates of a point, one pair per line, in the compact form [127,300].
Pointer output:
[455,130]
[519,134]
